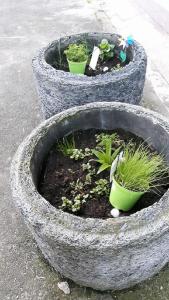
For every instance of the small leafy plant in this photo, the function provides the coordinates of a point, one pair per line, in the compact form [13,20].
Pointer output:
[105,156]
[77,197]
[80,154]
[102,137]
[107,50]
[102,187]
[140,170]
[74,205]
[117,68]
[91,171]
[67,146]
[76,52]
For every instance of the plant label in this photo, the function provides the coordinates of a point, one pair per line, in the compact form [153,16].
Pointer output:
[114,164]
[122,56]
[122,42]
[121,158]
[94,58]
[113,167]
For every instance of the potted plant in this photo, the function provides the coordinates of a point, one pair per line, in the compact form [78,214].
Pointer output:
[77,56]
[137,172]
[119,74]
[91,251]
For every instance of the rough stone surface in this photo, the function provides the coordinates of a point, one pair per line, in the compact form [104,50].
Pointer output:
[59,90]
[102,254]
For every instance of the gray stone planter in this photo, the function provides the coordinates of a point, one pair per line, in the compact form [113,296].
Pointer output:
[59,90]
[102,254]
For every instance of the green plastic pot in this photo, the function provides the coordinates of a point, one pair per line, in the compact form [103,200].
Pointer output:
[77,67]
[123,198]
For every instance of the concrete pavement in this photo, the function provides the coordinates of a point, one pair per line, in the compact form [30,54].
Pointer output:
[148,22]
[26,26]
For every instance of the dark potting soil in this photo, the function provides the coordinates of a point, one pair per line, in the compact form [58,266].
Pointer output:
[59,171]
[113,64]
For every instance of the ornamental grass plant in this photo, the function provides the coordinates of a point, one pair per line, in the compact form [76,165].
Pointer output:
[140,170]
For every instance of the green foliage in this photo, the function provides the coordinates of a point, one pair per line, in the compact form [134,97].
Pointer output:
[77,186]
[102,137]
[78,195]
[66,203]
[117,68]
[78,154]
[75,204]
[137,170]
[76,53]
[140,170]
[107,50]
[88,167]
[105,156]
[67,146]
[91,172]
[88,179]
[102,187]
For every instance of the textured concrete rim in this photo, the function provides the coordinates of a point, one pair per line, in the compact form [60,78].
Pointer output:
[50,72]
[39,212]
[59,90]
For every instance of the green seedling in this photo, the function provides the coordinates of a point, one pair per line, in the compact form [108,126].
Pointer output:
[67,146]
[102,187]
[106,50]
[105,156]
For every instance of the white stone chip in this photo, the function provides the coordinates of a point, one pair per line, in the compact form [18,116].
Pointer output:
[115,212]
[64,286]
[105,69]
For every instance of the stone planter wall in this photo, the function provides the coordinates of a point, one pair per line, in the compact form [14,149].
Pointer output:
[59,90]
[102,254]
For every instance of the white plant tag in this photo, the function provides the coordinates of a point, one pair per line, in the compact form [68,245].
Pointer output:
[94,58]
[113,167]
[114,164]
[121,158]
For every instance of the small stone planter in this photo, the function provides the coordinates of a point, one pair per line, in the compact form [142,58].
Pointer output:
[102,254]
[59,90]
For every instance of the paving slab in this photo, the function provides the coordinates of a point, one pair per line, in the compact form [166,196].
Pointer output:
[26,26]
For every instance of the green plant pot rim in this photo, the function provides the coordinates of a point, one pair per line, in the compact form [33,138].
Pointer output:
[124,189]
[75,62]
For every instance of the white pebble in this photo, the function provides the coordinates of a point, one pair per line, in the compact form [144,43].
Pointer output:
[105,69]
[63,286]
[115,212]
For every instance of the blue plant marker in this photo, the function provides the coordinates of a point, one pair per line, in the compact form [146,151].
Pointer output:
[122,56]
[130,40]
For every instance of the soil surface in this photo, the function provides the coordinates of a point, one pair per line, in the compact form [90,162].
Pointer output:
[60,171]
[113,64]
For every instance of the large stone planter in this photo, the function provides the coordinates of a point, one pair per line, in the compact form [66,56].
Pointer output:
[59,90]
[102,254]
